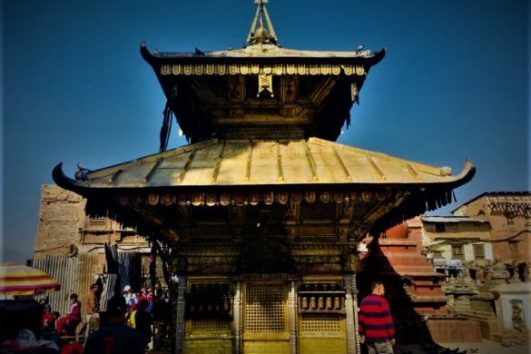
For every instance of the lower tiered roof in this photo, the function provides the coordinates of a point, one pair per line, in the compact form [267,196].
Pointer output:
[233,172]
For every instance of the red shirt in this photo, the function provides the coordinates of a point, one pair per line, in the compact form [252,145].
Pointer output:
[48,318]
[72,348]
[375,321]
[75,311]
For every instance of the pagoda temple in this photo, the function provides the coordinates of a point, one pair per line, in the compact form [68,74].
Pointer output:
[259,217]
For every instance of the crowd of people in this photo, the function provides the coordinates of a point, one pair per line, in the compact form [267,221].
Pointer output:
[42,330]
[139,312]
[126,325]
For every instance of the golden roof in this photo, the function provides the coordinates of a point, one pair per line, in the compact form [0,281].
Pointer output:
[281,163]
[262,51]
[270,50]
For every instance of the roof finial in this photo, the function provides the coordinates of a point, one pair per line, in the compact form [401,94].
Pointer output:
[261,34]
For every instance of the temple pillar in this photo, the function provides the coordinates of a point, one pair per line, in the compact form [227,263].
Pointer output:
[292,317]
[179,320]
[355,309]
[351,322]
[237,321]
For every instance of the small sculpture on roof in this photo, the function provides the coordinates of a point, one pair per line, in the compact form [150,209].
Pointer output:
[81,173]
[198,52]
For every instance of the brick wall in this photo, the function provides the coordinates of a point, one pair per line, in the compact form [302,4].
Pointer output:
[61,214]
[454,331]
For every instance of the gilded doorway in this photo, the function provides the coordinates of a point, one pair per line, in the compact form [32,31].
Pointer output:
[322,334]
[265,318]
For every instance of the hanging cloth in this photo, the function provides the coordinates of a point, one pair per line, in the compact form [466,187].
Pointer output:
[166,127]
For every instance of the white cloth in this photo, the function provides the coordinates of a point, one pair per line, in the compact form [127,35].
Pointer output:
[26,339]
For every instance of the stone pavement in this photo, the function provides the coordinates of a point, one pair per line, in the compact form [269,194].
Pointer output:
[483,347]
[490,347]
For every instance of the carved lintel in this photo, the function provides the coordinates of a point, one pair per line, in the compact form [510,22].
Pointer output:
[343,234]
[350,261]
[292,212]
[184,210]
[236,88]
[209,264]
[360,231]
[236,214]
[289,88]
[291,233]
[345,212]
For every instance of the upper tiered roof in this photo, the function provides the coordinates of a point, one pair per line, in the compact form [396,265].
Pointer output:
[247,92]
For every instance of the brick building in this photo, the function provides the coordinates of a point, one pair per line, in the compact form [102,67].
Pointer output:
[484,249]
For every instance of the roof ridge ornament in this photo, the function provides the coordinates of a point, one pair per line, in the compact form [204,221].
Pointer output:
[258,34]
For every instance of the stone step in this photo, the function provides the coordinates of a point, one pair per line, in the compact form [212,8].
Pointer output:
[509,337]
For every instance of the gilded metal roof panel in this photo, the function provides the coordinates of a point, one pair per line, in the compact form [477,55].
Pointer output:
[231,163]
[267,51]
[270,50]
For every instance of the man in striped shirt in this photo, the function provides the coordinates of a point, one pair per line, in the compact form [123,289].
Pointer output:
[376,327]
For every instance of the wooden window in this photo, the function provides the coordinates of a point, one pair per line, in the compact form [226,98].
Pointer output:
[265,308]
[451,228]
[98,224]
[479,250]
[457,252]
[440,227]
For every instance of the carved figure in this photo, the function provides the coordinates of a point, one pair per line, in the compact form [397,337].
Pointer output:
[517,315]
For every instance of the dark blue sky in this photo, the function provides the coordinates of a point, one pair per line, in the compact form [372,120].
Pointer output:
[454,85]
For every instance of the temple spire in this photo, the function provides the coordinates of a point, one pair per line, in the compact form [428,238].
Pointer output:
[258,33]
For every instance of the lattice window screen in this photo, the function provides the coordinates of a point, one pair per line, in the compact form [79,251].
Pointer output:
[211,325]
[265,309]
[320,323]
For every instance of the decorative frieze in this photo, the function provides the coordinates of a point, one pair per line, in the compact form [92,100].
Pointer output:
[259,69]
[267,197]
